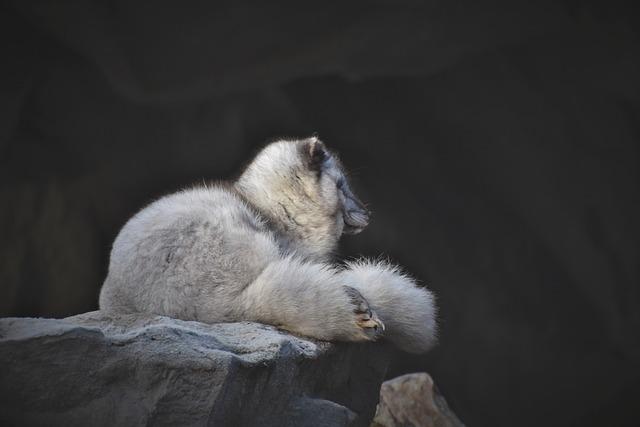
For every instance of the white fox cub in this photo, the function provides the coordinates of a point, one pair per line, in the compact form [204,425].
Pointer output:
[258,249]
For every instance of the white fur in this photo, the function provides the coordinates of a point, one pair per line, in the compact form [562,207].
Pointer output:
[258,251]
[408,312]
[303,297]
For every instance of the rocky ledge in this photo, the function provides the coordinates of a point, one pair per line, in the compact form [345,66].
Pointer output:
[94,369]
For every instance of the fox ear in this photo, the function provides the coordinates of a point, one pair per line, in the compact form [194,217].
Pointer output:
[316,153]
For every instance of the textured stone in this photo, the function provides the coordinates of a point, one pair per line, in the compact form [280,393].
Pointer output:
[413,400]
[93,369]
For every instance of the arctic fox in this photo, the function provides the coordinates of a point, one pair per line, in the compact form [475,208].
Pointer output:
[258,249]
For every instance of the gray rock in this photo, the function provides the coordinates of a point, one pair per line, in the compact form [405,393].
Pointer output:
[93,369]
[412,400]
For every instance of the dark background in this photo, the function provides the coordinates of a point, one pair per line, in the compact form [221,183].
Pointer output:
[497,142]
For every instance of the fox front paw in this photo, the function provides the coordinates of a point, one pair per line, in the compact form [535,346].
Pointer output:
[369,326]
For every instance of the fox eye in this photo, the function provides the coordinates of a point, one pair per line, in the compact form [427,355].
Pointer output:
[340,182]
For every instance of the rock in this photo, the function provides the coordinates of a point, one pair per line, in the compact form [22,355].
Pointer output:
[413,400]
[94,369]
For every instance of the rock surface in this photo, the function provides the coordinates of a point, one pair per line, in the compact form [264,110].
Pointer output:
[93,369]
[413,400]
